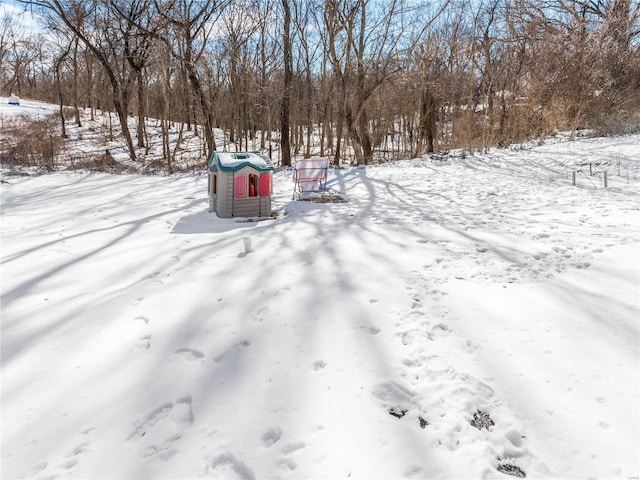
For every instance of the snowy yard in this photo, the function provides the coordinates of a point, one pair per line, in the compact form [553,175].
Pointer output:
[357,340]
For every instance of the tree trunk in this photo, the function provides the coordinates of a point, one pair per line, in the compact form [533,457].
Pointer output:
[427,127]
[285,110]
[75,82]
[141,110]
[204,105]
[61,98]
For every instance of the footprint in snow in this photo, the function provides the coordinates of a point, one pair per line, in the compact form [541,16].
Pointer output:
[319,365]
[73,457]
[182,412]
[439,330]
[238,347]
[189,354]
[143,424]
[37,469]
[178,414]
[226,465]
[414,471]
[293,447]
[287,463]
[271,436]
[166,451]
[137,301]
[144,342]
[395,398]
[79,449]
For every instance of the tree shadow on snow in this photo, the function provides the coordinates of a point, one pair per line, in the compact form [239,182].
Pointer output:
[208,222]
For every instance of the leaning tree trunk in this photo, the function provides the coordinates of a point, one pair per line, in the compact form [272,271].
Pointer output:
[204,105]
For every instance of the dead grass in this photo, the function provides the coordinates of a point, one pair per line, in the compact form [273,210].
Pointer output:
[29,142]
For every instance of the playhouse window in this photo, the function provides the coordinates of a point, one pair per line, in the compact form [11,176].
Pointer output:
[253,185]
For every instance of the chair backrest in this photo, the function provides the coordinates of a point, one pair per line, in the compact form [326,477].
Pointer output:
[310,173]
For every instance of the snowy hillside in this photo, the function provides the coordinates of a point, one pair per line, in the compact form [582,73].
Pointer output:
[473,318]
[102,133]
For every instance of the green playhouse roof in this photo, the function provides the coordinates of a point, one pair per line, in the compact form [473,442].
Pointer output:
[230,162]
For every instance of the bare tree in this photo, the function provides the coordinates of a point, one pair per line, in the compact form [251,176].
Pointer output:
[65,47]
[19,53]
[97,27]
[7,42]
[192,22]
[399,76]
[239,27]
[369,44]
[140,26]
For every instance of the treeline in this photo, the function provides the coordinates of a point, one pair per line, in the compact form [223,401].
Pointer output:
[357,79]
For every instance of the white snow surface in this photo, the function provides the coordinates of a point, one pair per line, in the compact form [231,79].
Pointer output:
[29,108]
[140,340]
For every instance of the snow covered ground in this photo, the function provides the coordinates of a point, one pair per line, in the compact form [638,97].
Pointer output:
[360,339]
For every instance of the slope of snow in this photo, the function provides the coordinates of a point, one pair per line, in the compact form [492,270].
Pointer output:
[358,339]
[29,108]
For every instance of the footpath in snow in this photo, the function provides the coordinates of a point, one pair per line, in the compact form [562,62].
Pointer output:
[473,318]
